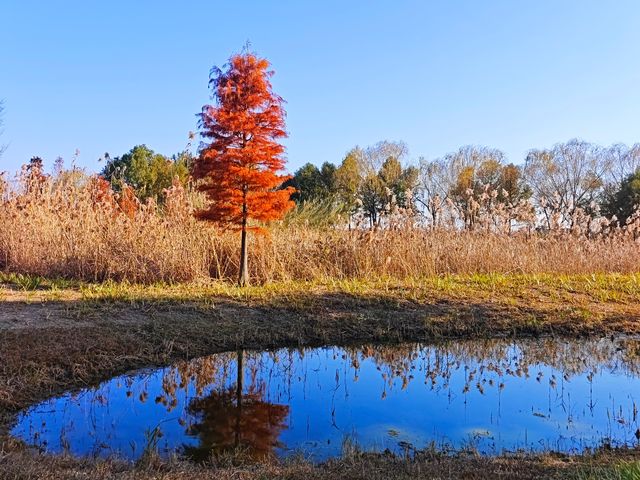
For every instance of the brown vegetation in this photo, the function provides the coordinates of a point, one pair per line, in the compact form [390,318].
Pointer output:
[69,226]
[354,466]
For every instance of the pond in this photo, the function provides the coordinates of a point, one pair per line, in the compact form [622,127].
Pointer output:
[491,396]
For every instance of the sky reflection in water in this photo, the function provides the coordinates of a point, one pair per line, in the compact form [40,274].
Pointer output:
[489,395]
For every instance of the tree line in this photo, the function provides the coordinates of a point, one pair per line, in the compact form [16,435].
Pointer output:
[558,187]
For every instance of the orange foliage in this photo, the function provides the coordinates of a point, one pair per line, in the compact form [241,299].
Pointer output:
[101,192]
[128,202]
[239,167]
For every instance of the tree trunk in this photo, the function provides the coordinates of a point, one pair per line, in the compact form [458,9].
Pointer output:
[239,398]
[243,279]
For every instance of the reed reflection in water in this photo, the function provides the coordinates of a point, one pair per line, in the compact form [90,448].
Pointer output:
[489,395]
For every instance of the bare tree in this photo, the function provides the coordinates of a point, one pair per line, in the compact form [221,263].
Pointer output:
[373,157]
[434,184]
[443,181]
[568,178]
[623,161]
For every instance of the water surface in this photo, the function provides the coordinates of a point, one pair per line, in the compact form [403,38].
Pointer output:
[491,396]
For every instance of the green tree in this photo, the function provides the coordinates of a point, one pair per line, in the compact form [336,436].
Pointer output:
[328,175]
[624,202]
[347,178]
[373,195]
[147,172]
[313,184]
[399,181]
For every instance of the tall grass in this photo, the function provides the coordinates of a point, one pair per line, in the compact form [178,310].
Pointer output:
[72,226]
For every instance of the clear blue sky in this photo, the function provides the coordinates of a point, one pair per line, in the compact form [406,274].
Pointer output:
[104,76]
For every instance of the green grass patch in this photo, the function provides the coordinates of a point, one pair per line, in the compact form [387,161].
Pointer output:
[620,471]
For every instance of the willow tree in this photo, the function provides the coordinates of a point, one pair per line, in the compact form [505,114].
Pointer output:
[240,162]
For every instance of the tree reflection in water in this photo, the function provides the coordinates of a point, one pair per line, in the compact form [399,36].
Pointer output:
[232,420]
[532,393]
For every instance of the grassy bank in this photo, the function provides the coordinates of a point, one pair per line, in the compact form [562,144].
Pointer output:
[578,290]
[60,335]
[620,465]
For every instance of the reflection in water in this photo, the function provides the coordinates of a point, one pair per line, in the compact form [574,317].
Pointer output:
[489,395]
[231,419]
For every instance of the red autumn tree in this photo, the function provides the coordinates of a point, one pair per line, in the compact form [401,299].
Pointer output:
[239,164]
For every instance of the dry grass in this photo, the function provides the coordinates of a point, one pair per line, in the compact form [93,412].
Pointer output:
[65,226]
[17,463]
